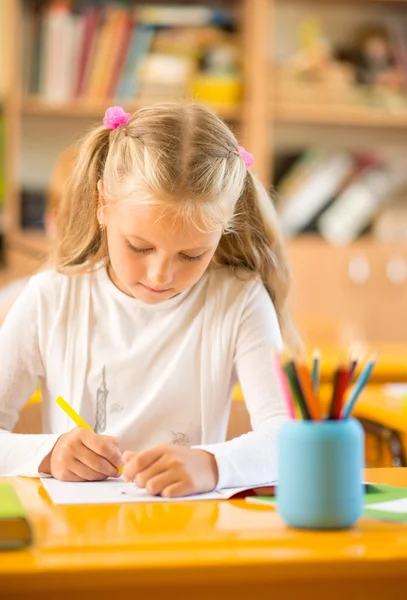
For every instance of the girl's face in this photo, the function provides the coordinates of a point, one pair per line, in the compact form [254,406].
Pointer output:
[151,257]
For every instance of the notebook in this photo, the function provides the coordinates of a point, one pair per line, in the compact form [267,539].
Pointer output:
[119,491]
[15,530]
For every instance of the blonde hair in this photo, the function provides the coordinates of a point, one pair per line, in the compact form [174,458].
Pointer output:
[186,160]
[59,177]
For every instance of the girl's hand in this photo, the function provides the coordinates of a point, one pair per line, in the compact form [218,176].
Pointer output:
[81,455]
[172,471]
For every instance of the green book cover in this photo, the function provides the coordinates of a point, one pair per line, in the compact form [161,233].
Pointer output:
[15,530]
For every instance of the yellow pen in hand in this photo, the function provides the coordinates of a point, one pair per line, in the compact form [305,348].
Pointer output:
[77,419]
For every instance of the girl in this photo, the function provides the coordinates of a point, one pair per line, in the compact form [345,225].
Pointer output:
[170,284]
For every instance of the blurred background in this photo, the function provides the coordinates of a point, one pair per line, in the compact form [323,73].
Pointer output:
[317,91]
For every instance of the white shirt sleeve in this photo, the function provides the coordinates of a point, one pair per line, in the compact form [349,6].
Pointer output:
[251,459]
[20,370]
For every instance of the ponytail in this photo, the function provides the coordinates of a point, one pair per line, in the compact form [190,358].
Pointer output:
[79,238]
[254,242]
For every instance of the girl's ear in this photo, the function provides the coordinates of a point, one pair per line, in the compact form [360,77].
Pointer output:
[101,202]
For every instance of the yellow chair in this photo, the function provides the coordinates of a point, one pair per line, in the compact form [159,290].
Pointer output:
[384,419]
[30,419]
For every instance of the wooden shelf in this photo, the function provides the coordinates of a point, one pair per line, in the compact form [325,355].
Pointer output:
[33,106]
[355,116]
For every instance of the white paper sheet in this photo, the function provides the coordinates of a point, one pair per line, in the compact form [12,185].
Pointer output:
[396,506]
[119,491]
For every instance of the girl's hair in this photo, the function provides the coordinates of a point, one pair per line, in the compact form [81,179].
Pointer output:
[184,159]
[60,174]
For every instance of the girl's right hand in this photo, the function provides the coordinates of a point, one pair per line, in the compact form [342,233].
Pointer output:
[82,455]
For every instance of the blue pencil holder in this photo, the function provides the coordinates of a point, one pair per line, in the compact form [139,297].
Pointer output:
[320,469]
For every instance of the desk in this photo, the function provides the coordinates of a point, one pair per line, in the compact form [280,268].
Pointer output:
[200,550]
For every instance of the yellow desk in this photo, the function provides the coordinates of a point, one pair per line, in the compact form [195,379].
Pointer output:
[201,550]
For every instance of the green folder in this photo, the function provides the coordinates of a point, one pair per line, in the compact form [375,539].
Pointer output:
[375,493]
[15,530]
[380,494]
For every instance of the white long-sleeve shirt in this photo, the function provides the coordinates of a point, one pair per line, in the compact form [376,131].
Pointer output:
[147,374]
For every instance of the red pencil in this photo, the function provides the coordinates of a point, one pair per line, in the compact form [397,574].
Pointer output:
[341,380]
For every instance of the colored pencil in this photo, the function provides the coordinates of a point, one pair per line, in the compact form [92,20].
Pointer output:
[341,379]
[291,371]
[309,396]
[282,378]
[358,387]
[316,366]
[72,414]
[77,419]
[352,368]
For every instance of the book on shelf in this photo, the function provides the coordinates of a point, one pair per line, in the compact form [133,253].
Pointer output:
[61,31]
[354,210]
[91,16]
[337,194]
[89,50]
[315,182]
[162,15]
[111,36]
[141,39]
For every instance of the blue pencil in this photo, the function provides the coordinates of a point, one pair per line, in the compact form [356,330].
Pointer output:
[359,385]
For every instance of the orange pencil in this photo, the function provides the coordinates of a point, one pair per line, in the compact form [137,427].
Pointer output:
[309,396]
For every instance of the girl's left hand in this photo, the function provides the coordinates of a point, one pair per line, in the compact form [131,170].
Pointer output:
[172,471]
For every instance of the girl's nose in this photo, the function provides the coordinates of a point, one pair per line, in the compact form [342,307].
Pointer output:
[160,273]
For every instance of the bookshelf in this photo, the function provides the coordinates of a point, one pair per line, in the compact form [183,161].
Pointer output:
[96,109]
[246,118]
[257,121]
[339,116]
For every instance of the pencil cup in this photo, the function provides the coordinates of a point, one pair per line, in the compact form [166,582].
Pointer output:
[320,473]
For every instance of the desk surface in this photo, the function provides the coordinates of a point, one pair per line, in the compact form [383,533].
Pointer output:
[199,549]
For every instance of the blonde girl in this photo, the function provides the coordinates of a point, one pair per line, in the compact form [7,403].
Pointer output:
[169,285]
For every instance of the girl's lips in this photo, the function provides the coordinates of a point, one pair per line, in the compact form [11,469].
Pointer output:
[155,291]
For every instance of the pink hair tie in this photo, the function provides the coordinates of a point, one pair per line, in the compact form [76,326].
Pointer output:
[114,117]
[247,158]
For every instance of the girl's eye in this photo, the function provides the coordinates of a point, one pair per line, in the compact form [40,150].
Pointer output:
[138,250]
[192,258]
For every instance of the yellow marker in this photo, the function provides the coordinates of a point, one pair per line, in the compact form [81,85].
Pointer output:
[77,419]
